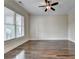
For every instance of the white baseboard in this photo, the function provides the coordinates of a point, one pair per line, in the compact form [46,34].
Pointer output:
[49,39]
[71,40]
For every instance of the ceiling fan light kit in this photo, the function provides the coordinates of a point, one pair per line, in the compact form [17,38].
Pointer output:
[48,5]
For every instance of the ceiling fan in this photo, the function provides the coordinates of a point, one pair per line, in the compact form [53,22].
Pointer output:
[49,5]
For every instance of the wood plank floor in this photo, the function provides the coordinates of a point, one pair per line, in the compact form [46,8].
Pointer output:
[40,49]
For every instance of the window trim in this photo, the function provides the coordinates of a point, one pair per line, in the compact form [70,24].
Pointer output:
[22,26]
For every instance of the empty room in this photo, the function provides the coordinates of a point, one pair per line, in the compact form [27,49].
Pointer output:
[39,29]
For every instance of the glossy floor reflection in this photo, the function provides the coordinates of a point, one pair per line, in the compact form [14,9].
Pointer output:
[39,49]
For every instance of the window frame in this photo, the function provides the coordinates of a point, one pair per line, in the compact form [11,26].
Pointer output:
[22,26]
[14,19]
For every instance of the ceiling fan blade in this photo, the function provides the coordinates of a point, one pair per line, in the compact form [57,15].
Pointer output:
[53,9]
[45,9]
[46,1]
[56,3]
[42,6]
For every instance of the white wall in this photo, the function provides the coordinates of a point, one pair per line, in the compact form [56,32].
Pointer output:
[71,25]
[11,44]
[49,27]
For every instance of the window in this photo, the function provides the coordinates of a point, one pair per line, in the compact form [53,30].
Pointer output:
[14,24]
[19,25]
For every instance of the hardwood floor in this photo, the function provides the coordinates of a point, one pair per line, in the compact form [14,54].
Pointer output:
[40,49]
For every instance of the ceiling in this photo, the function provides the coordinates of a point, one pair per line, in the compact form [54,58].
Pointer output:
[63,7]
